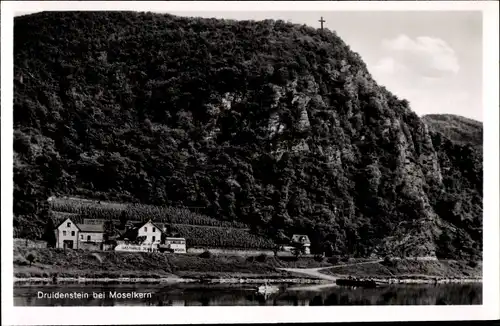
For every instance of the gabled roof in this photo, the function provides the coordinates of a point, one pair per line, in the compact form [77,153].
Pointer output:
[153,223]
[63,221]
[131,233]
[300,238]
[98,228]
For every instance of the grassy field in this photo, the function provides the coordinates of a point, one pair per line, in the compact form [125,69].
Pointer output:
[407,268]
[74,263]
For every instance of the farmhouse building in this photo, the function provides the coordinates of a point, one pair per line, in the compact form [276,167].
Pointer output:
[67,235]
[91,232]
[78,236]
[144,234]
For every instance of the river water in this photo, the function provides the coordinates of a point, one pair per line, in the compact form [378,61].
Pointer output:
[241,295]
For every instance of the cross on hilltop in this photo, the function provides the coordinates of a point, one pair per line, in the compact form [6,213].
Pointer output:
[322,21]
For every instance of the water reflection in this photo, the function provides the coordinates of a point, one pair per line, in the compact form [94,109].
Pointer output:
[236,295]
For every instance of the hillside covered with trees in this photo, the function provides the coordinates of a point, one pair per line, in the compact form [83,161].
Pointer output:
[277,126]
[456,128]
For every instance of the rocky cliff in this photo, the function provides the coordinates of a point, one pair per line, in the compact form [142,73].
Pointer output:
[279,126]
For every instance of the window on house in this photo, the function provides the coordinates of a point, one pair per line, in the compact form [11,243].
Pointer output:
[154,238]
[81,236]
[72,233]
[88,238]
[145,229]
[64,232]
[154,229]
[68,224]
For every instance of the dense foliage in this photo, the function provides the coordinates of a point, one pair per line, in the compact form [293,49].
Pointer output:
[274,125]
[458,142]
[456,128]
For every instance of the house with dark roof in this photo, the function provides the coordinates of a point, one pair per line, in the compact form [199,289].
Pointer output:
[91,233]
[146,233]
[302,240]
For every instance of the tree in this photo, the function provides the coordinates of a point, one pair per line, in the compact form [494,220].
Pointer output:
[328,248]
[31,257]
[109,231]
[49,234]
[163,237]
[281,238]
[123,220]
[445,244]
[298,249]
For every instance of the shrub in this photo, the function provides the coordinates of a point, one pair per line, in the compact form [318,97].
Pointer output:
[319,258]
[206,254]
[388,261]
[31,257]
[334,260]
[261,258]
[288,258]
[472,264]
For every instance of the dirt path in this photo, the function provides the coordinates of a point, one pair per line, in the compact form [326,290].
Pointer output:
[315,272]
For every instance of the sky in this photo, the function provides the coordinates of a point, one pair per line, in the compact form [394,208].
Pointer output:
[431,58]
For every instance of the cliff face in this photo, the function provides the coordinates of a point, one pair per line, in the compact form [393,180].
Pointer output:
[276,125]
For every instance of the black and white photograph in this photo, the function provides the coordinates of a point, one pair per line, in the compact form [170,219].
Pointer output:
[215,155]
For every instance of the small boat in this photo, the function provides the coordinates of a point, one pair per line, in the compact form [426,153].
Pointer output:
[267,289]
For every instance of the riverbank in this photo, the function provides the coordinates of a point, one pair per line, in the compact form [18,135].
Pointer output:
[142,267]
[410,271]
[78,264]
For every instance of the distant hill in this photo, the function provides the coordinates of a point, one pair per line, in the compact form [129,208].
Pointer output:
[274,125]
[457,128]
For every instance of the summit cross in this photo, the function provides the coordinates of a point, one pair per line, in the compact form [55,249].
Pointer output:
[322,21]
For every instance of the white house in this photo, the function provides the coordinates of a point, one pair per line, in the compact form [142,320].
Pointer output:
[144,236]
[67,235]
[151,232]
